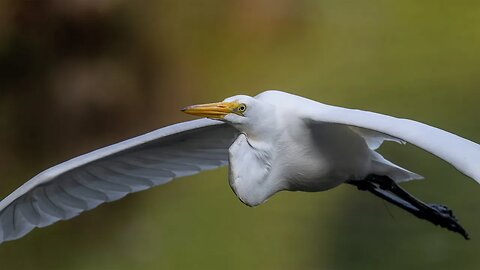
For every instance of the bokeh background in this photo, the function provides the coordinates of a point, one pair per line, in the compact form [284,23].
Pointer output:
[76,75]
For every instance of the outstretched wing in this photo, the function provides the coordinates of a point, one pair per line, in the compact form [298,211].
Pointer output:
[110,173]
[463,154]
[460,152]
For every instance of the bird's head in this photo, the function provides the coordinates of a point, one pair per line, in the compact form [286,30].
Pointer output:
[248,114]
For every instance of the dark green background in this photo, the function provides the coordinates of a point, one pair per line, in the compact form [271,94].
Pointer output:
[77,75]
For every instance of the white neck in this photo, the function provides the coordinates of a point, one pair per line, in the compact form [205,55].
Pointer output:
[249,167]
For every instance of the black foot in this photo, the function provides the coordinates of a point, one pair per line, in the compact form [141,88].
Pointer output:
[387,189]
[443,217]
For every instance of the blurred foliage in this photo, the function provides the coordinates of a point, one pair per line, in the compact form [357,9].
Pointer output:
[80,74]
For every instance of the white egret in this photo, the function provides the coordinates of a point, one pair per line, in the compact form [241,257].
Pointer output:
[272,142]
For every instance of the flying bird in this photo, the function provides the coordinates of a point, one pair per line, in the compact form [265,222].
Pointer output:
[274,141]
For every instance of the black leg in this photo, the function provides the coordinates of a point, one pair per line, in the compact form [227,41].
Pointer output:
[387,189]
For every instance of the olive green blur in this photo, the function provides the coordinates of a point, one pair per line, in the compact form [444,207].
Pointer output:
[78,75]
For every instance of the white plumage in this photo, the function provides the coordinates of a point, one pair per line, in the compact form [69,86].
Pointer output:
[272,142]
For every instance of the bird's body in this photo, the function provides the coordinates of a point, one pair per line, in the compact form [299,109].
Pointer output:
[272,142]
[297,154]
[299,160]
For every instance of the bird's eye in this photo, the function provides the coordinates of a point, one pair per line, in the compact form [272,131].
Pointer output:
[242,108]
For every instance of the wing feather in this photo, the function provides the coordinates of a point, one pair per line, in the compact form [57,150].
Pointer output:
[110,173]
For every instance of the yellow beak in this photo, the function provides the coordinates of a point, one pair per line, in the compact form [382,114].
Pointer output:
[212,110]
